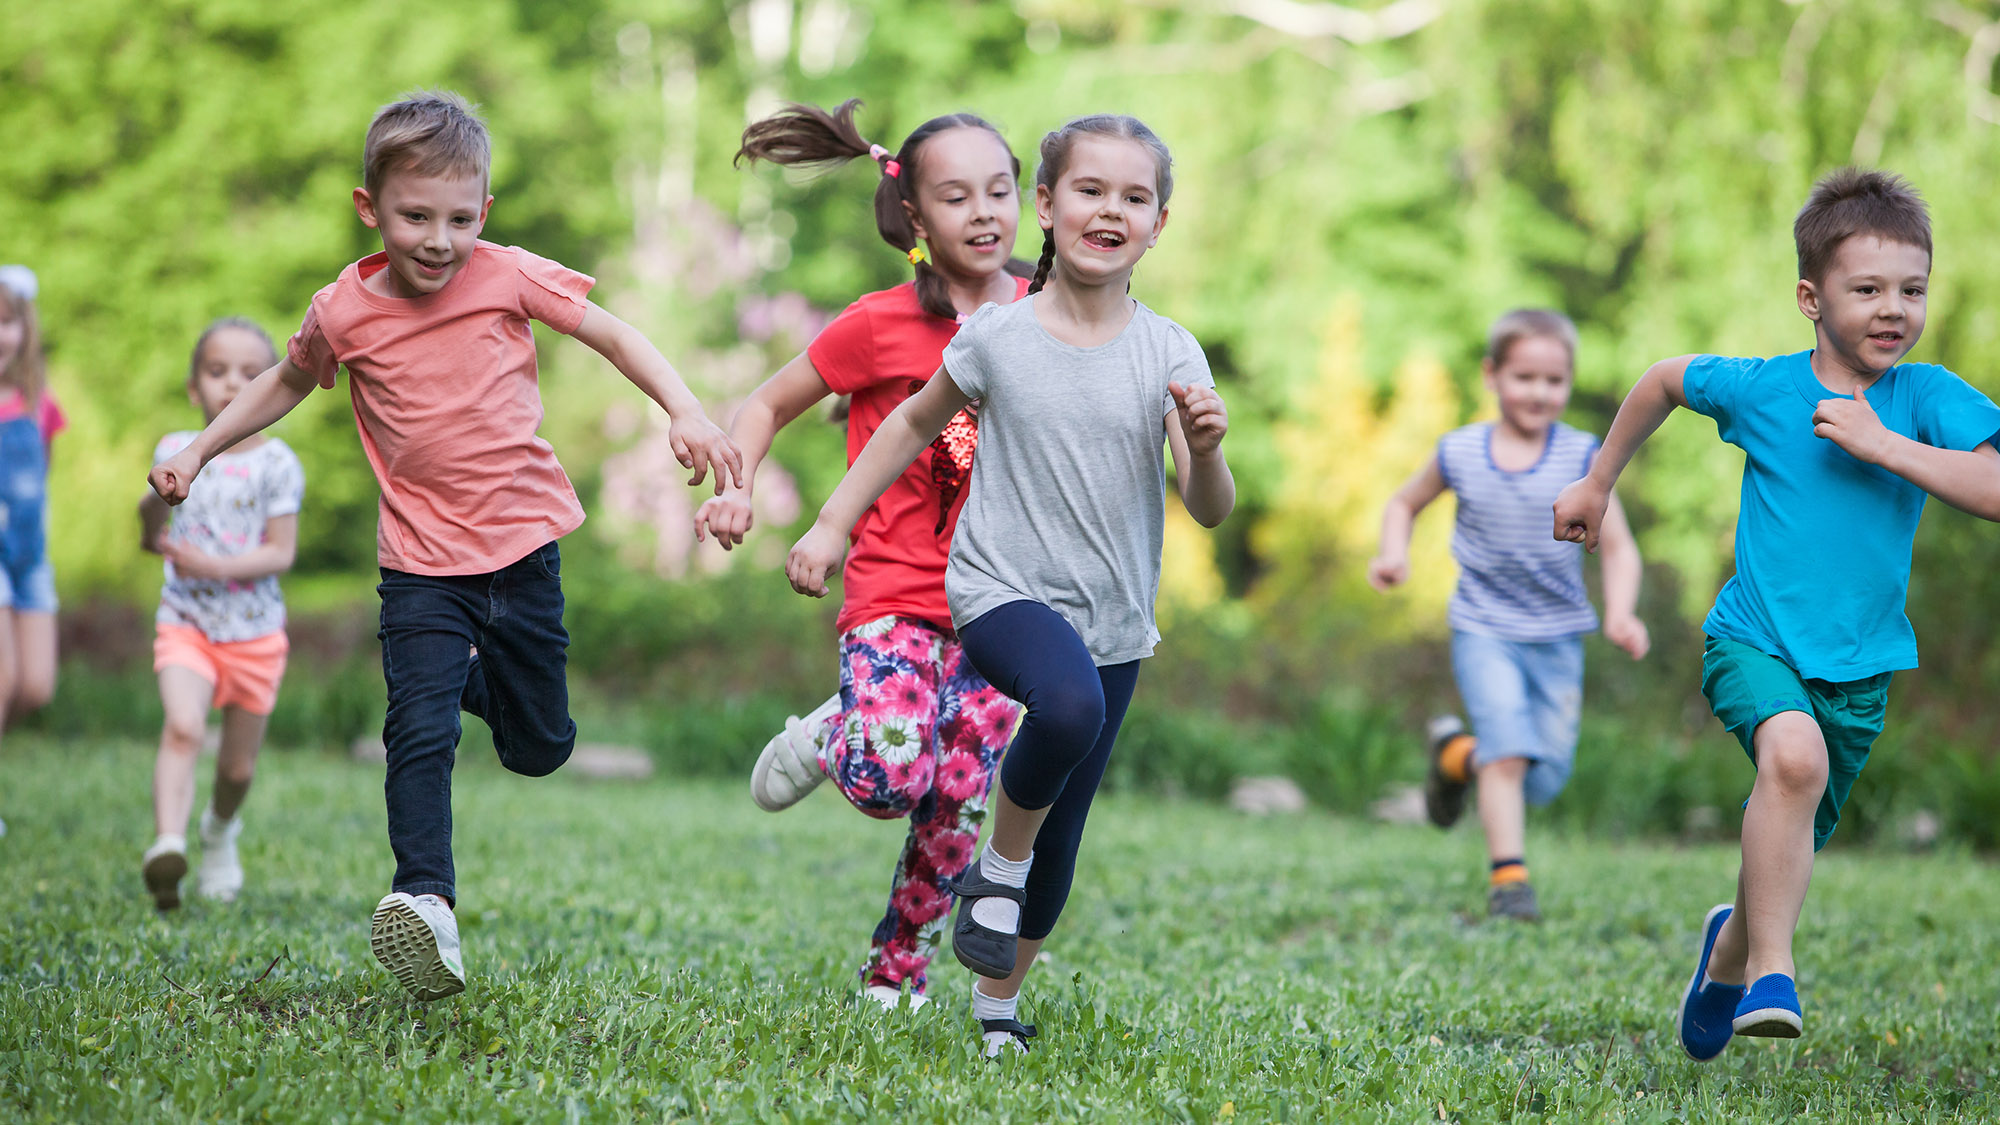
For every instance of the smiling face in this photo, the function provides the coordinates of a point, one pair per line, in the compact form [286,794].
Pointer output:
[1532,382]
[428,225]
[968,206]
[1104,211]
[1870,304]
[230,358]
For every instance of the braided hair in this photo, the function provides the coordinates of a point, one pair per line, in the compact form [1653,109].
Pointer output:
[1055,157]
[809,136]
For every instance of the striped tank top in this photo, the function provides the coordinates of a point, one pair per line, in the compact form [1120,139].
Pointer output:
[1515,580]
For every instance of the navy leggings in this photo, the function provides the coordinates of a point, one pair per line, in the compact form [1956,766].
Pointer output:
[1057,759]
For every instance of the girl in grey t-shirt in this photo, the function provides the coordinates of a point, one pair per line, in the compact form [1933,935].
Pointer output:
[1056,559]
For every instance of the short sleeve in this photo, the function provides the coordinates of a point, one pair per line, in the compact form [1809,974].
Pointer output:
[844,351]
[311,352]
[282,486]
[1444,462]
[552,292]
[1952,414]
[1188,365]
[171,444]
[1714,384]
[965,358]
[49,417]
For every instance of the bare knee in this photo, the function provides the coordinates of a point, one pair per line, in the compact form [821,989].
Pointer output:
[1792,756]
[1505,769]
[183,735]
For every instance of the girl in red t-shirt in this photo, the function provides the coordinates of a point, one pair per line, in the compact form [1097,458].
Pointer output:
[914,731]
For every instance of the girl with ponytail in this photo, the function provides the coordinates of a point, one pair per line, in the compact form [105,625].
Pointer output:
[1056,563]
[914,732]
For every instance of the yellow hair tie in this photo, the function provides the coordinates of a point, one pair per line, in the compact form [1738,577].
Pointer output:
[917,255]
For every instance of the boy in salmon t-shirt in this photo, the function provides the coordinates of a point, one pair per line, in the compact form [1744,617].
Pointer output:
[440,361]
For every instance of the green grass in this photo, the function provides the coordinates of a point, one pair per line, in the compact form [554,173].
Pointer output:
[666,951]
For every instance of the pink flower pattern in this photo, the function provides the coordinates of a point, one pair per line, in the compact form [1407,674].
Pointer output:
[916,672]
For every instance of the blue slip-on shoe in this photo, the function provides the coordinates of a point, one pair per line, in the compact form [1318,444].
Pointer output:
[1707,1007]
[1770,1009]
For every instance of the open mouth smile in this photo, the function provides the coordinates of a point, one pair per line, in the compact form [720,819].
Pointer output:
[1103,239]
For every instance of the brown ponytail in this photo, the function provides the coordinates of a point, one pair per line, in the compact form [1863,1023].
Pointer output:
[809,136]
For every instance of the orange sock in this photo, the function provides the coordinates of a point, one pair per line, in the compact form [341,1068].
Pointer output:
[1455,760]
[1509,871]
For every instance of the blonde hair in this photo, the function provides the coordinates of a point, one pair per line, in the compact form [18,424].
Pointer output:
[25,370]
[1522,324]
[428,132]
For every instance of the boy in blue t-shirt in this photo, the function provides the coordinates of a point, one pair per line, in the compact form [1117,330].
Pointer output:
[1842,444]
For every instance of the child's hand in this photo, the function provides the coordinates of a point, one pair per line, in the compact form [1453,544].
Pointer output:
[813,557]
[1853,425]
[1579,511]
[1204,418]
[1628,633]
[189,562]
[171,477]
[727,517]
[700,444]
[1385,573]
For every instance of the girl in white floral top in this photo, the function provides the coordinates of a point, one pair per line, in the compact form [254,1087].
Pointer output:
[220,640]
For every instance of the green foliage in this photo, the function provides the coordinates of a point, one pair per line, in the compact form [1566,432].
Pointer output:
[664,950]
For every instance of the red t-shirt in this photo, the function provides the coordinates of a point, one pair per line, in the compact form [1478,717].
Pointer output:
[880,351]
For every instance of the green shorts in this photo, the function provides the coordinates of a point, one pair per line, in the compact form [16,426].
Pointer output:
[1745,687]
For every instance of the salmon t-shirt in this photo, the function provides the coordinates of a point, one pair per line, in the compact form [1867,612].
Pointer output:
[880,351]
[446,399]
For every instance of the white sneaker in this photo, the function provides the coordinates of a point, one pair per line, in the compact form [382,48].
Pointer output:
[416,939]
[788,769]
[889,996]
[993,1044]
[221,874]
[163,865]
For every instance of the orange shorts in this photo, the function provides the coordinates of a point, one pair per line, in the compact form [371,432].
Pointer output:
[245,673]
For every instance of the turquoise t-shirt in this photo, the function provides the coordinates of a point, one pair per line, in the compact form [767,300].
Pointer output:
[1822,539]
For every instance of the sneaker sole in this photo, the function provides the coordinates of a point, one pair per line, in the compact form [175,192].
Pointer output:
[402,941]
[163,879]
[1769,1023]
[766,769]
[1694,982]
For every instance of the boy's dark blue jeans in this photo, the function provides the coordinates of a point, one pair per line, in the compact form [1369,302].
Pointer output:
[517,684]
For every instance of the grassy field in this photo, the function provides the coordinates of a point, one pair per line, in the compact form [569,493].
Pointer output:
[667,951]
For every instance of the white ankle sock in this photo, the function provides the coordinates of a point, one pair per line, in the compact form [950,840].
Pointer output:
[168,843]
[986,1007]
[1002,914]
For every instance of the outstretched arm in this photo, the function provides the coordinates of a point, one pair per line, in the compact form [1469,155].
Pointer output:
[698,443]
[1968,480]
[269,397]
[1622,570]
[895,444]
[1391,564]
[770,408]
[1194,434]
[1579,510]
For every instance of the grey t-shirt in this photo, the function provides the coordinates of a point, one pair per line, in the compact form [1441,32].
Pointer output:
[1067,500]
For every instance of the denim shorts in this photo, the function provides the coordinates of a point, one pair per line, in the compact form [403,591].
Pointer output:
[1524,699]
[30,588]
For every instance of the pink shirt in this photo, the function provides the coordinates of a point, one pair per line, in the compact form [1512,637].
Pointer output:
[445,395]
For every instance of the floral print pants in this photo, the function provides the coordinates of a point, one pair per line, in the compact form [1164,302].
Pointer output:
[919,735]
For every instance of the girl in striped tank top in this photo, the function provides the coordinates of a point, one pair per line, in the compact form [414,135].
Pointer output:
[1520,612]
